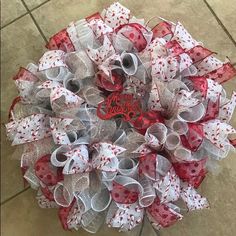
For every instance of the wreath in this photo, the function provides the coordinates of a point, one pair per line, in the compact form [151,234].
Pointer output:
[119,120]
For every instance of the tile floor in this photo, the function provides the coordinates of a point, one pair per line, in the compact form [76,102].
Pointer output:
[25,27]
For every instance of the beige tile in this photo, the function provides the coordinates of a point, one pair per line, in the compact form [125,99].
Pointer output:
[147,229]
[10,10]
[62,12]
[225,10]
[30,220]
[193,14]
[34,3]
[21,43]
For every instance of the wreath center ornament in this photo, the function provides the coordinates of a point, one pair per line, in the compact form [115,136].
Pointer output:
[119,120]
[116,104]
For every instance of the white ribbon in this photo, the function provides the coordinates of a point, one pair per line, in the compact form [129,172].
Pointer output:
[80,64]
[192,114]
[149,194]
[129,63]
[106,157]
[128,167]
[74,160]
[155,135]
[124,216]
[101,200]
[92,221]
[172,141]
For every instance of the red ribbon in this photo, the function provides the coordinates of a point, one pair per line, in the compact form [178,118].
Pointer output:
[222,74]
[103,82]
[199,53]
[162,214]
[194,137]
[46,172]
[145,120]
[233,142]
[175,48]
[95,16]
[147,165]
[192,172]
[161,30]
[199,84]
[61,41]
[133,32]
[123,195]
[14,102]
[212,110]
[64,213]
[47,193]
[24,74]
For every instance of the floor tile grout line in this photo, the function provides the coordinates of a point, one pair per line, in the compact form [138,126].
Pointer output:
[141,230]
[41,4]
[28,11]
[220,22]
[35,22]
[17,18]
[45,39]
[14,196]
[38,27]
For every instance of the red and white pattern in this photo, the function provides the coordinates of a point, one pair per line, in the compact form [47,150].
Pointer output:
[168,186]
[216,132]
[182,36]
[99,27]
[59,128]
[125,216]
[52,59]
[116,15]
[69,99]
[226,111]
[78,160]
[118,120]
[161,214]
[29,129]
[106,157]
[193,200]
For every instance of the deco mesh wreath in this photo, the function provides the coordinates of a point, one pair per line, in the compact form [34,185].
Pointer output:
[118,120]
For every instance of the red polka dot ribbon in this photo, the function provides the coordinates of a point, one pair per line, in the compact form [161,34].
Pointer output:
[161,30]
[124,195]
[61,41]
[194,137]
[135,33]
[46,172]
[147,165]
[192,172]
[162,214]
[64,213]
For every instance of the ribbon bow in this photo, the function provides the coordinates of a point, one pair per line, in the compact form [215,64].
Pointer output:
[105,157]
[73,160]
[124,216]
